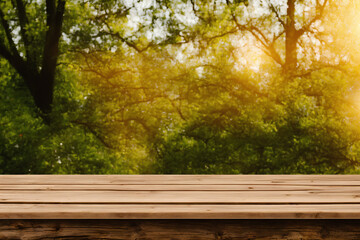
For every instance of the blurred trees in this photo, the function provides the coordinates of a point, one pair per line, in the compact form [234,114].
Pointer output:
[180,87]
[298,118]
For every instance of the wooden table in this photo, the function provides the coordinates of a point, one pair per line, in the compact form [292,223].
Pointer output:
[180,207]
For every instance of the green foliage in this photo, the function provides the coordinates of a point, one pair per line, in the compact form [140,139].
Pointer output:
[184,87]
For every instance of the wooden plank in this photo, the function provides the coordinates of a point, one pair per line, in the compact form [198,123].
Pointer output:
[206,197]
[180,196]
[180,229]
[178,187]
[181,179]
[180,211]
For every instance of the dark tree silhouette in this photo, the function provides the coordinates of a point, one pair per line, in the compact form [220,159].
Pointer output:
[39,75]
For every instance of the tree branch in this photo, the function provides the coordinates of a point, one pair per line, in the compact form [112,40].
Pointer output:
[7,30]
[272,8]
[90,128]
[16,61]
[50,12]
[318,16]
[23,20]
[259,36]
[196,11]
[234,30]
[54,21]
[128,43]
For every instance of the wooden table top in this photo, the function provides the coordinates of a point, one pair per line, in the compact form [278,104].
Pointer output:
[180,196]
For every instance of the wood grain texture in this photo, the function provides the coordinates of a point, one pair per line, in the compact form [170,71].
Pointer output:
[180,196]
[178,211]
[180,229]
[180,187]
[181,179]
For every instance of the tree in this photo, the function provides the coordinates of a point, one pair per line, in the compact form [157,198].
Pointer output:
[193,86]
[297,125]
[35,55]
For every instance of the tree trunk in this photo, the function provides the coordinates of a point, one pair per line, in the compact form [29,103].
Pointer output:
[40,83]
[291,39]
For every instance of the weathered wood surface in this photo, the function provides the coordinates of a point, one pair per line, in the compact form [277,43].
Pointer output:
[180,229]
[178,211]
[180,196]
[181,179]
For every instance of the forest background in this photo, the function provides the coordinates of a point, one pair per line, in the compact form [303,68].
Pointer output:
[179,87]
